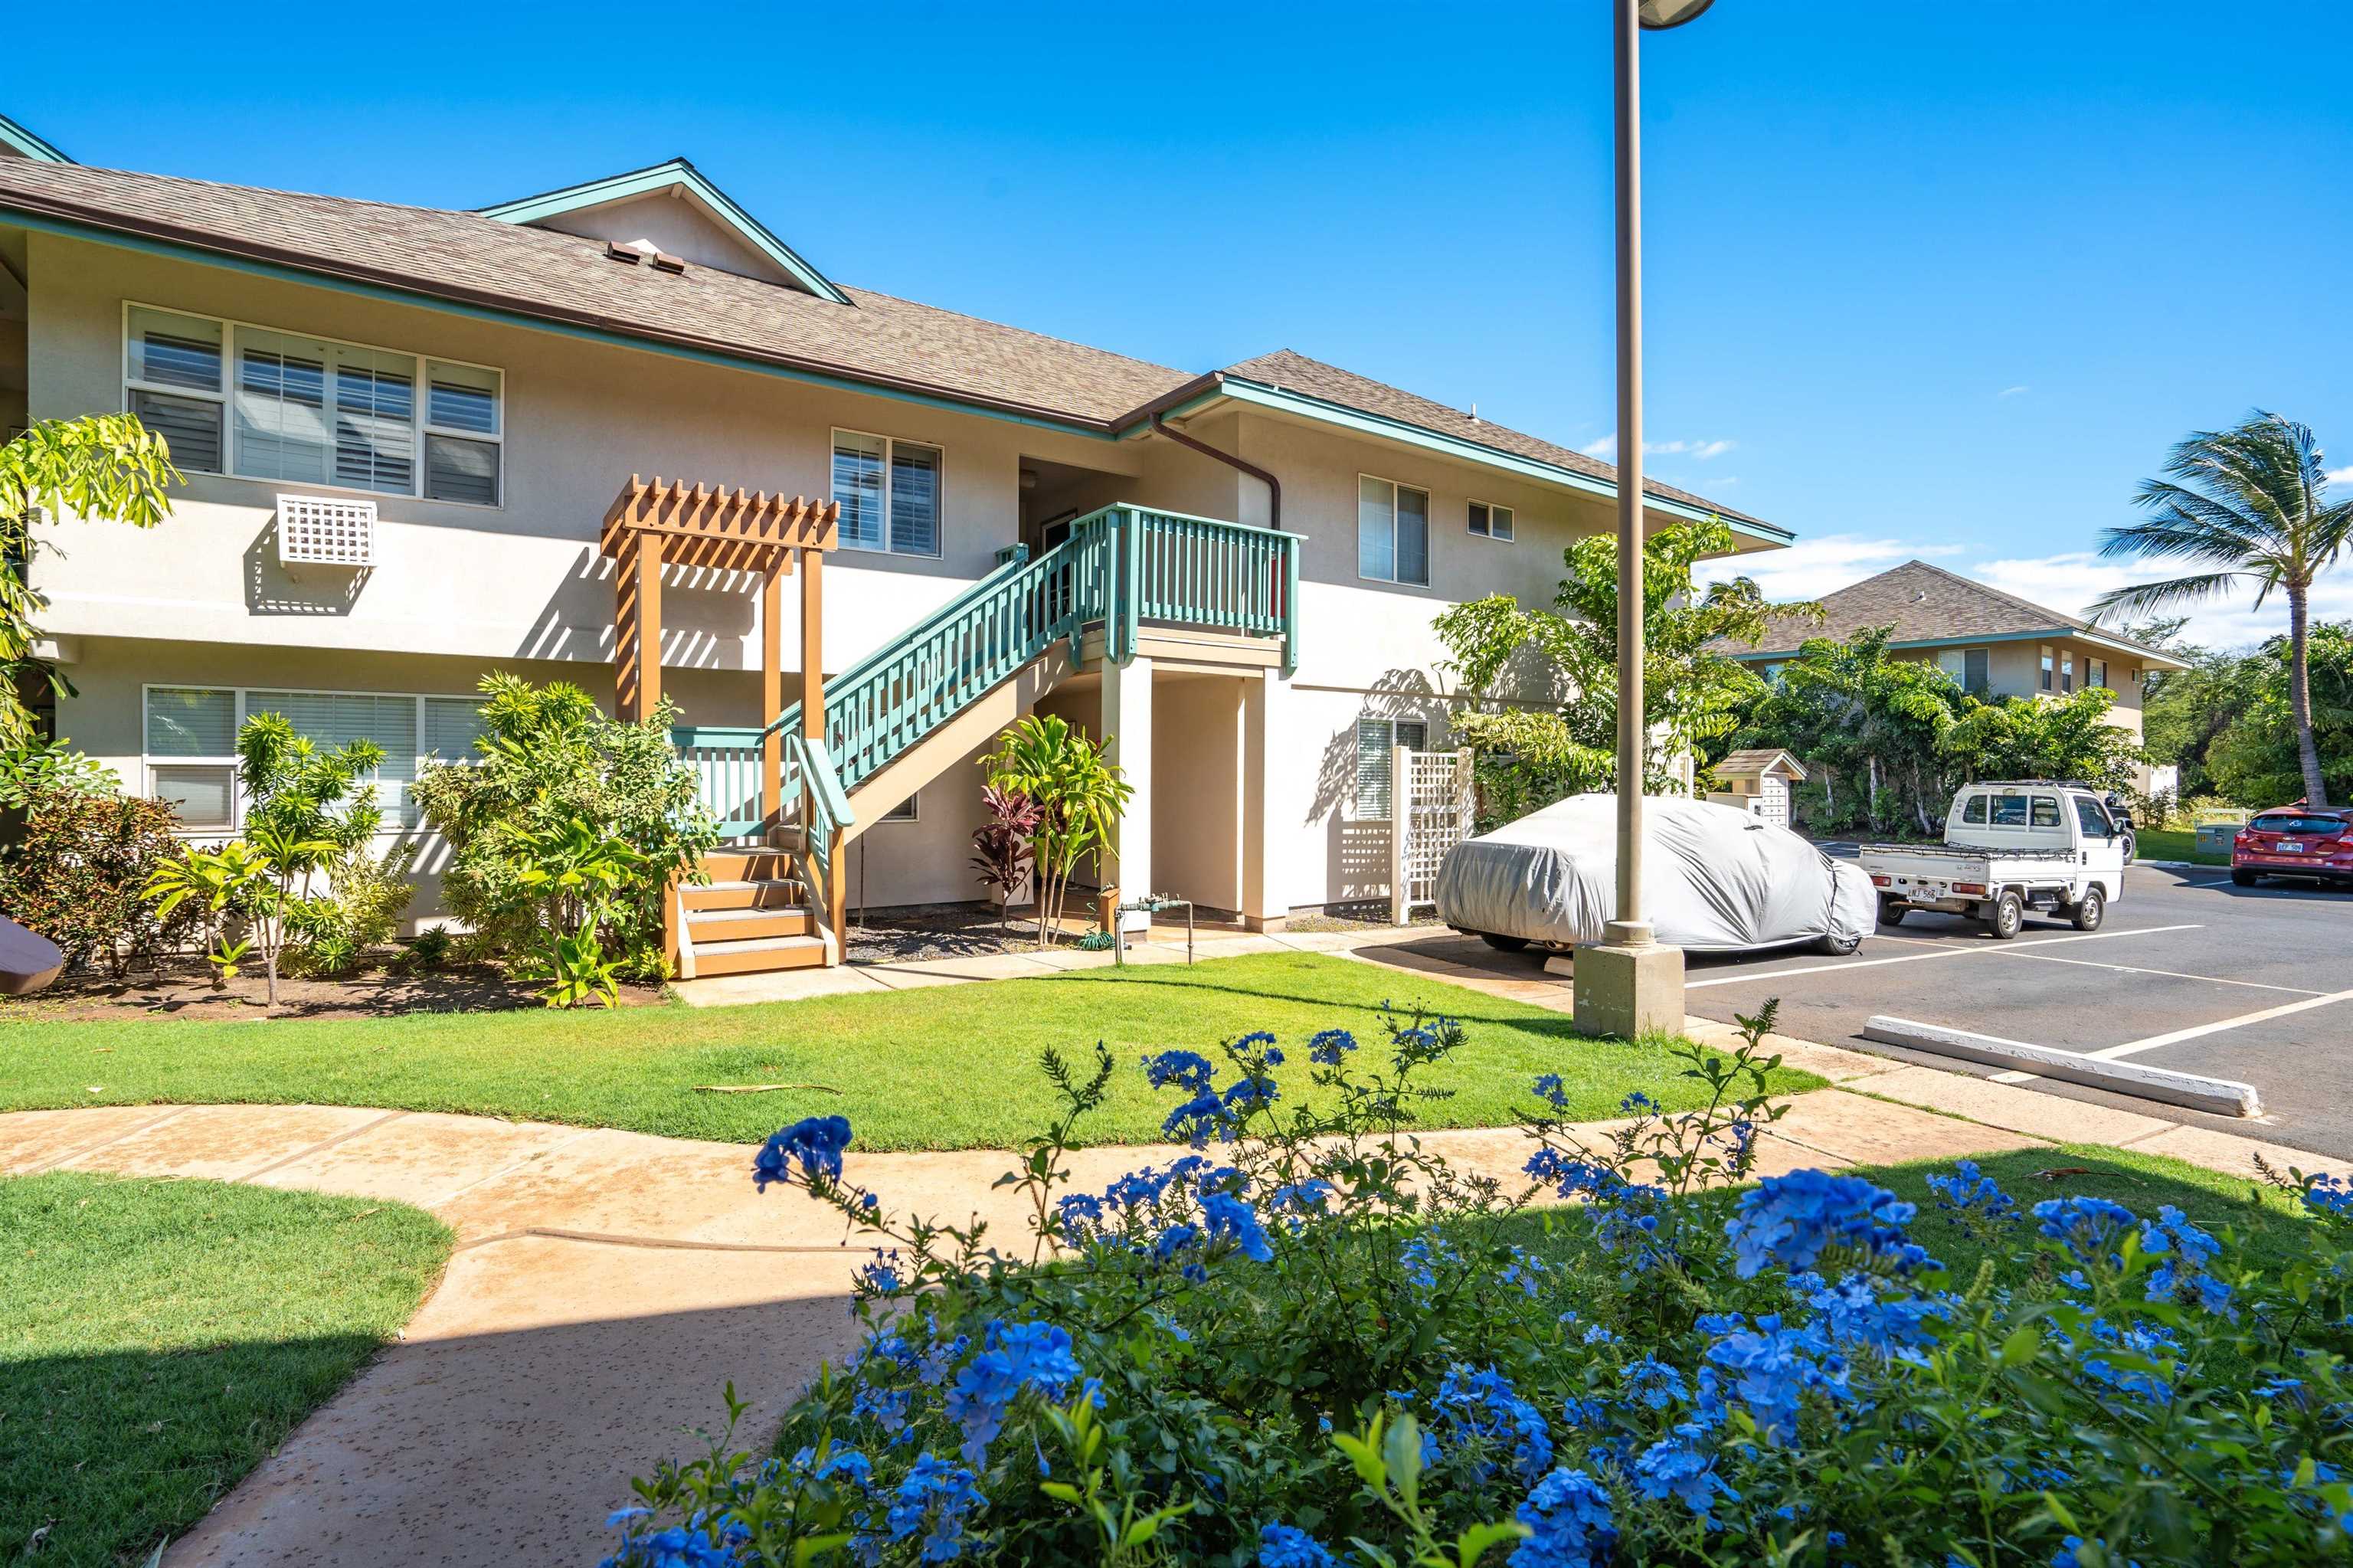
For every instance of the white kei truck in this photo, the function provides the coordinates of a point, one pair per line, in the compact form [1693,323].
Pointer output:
[2012,846]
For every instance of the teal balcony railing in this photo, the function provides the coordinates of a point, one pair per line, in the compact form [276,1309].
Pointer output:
[1122,567]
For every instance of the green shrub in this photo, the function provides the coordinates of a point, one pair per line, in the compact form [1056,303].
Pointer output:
[76,870]
[549,758]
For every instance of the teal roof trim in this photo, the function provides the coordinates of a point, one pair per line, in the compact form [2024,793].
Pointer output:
[41,151]
[1415,435]
[365,290]
[2096,639]
[661,178]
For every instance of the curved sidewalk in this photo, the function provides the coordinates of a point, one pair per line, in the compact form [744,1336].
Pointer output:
[607,1285]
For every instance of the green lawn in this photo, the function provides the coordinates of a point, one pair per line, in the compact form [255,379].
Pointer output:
[942,1068]
[2175,844]
[160,1337]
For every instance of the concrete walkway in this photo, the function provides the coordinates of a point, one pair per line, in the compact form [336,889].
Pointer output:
[607,1284]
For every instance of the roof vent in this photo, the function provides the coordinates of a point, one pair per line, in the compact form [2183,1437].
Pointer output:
[665,262]
[628,254]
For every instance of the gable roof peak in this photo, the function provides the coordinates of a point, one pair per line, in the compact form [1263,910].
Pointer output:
[678,177]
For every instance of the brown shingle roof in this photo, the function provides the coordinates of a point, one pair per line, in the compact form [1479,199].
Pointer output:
[1928,604]
[538,272]
[1296,373]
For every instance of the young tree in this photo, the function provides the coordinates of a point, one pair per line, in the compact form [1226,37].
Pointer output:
[1876,730]
[102,467]
[1077,792]
[1693,690]
[2250,503]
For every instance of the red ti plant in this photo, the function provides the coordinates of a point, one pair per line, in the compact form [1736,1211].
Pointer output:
[1002,844]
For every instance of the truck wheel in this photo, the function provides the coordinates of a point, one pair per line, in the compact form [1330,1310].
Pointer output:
[1891,910]
[2008,915]
[1504,944]
[2090,909]
[2131,847]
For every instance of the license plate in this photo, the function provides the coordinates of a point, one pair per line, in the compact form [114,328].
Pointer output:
[2289,849]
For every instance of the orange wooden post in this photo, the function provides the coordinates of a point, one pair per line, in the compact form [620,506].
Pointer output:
[812,568]
[637,653]
[772,693]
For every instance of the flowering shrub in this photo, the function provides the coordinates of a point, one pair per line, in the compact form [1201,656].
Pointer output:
[1307,1339]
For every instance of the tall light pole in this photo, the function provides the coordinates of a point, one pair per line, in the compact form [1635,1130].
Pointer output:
[1629,983]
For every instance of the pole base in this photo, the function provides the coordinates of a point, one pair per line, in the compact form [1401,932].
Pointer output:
[1626,990]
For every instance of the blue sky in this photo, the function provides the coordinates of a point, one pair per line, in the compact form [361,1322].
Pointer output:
[1937,280]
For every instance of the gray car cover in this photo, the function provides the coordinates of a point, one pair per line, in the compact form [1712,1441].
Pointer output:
[1715,879]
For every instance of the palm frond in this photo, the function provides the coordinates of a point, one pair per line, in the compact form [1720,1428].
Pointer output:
[2140,597]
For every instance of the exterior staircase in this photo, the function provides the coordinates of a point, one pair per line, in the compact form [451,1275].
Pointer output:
[788,801]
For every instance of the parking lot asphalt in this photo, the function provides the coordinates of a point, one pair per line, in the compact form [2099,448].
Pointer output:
[2188,972]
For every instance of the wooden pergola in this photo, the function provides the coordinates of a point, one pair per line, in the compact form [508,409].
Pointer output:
[669,522]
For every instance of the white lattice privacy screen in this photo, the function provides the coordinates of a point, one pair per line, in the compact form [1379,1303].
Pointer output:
[321,531]
[1429,813]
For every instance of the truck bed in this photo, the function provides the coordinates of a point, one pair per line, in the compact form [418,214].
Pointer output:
[1952,852]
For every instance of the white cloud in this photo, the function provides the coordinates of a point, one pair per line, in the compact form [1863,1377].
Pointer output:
[1606,449]
[2014,391]
[1812,567]
[2070,581]
[2341,475]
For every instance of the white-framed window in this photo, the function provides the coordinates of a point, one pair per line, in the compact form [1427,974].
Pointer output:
[1977,674]
[191,743]
[1375,740]
[2066,671]
[251,402]
[1491,522]
[2050,668]
[904,811]
[890,492]
[2095,674]
[1392,532]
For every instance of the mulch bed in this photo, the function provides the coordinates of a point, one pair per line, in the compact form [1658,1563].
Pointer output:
[935,931]
[188,993]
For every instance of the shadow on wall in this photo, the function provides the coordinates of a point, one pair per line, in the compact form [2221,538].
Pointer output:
[703,612]
[273,588]
[1356,853]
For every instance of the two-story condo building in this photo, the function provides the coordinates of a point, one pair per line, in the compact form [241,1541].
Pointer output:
[402,430]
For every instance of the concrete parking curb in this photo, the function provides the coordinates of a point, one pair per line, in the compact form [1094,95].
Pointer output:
[2218,1096]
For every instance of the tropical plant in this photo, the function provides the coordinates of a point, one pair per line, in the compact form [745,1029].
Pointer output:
[1004,854]
[244,893]
[576,871]
[2257,759]
[47,771]
[1505,656]
[548,757]
[1077,792]
[77,867]
[1310,1340]
[100,468]
[339,897]
[2251,503]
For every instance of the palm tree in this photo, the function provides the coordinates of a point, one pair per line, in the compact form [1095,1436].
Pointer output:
[2249,503]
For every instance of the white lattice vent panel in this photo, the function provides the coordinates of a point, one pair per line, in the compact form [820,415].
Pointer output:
[321,531]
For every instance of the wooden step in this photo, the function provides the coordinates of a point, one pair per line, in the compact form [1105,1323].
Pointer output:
[747,864]
[758,954]
[738,892]
[710,926]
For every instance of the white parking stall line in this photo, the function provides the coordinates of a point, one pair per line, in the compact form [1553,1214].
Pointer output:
[2168,974]
[1952,951]
[2134,1047]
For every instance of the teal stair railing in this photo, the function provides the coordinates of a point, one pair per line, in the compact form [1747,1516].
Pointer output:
[1122,567]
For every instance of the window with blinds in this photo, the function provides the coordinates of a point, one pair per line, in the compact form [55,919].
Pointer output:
[889,493]
[260,404]
[1392,532]
[191,742]
[1375,740]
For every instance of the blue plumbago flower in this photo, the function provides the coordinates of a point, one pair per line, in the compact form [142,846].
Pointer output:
[1187,1069]
[1638,1104]
[1013,1357]
[1329,1045]
[1479,1404]
[2066,1556]
[1313,1196]
[1776,1367]
[1550,1090]
[1230,1219]
[934,1502]
[2186,1251]
[880,1275]
[886,1407]
[2090,1228]
[1283,1546]
[1792,1220]
[2328,1195]
[1969,1191]
[1248,1094]
[1652,1382]
[1525,1273]
[1567,1516]
[1675,1466]
[1421,1260]
[1578,1413]
[2154,1340]
[846,1462]
[1198,1119]
[817,1141]
[681,1546]
[1598,1335]
[626,1516]
[1878,1314]
[1081,1211]
[1259,1040]
[941,1359]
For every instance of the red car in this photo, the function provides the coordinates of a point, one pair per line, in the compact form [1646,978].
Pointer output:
[2294,840]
